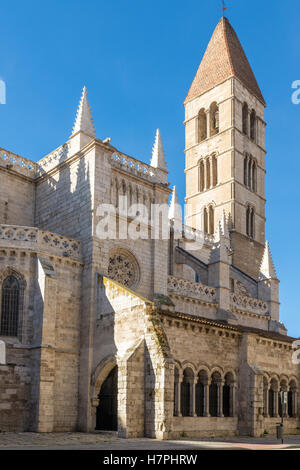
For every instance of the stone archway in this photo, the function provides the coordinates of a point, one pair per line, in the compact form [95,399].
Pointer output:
[99,376]
[107,409]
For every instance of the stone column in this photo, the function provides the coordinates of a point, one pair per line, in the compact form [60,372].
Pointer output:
[232,400]
[193,400]
[177,403]
[266,413]
[94,406]
[276,414]
[220,399]
[180,378]
[206,399]
[285,407]
[192,395]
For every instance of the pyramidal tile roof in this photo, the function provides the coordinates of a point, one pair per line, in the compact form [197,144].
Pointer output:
[223,58]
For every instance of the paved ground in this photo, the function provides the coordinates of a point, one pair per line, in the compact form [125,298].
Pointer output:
[109,441]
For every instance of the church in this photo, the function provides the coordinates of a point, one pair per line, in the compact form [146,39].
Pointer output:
[159,337]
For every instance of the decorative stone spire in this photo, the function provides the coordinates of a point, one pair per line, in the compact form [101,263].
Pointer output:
[267,268]
[84,120]
[175,208]
[158,155]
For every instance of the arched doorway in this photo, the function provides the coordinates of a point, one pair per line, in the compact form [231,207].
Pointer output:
[107,410]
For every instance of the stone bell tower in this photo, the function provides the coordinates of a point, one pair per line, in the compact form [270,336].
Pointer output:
[225,148]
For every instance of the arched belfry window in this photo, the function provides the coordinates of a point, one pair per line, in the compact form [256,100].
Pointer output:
[254,176]
[245,119]
[10,306]
[202,125]
[205,223]
[214,171]
[250,173]
[201,177]
[253,125]
[250,221]
[176,382]
[211,220]
[214,119]
[208,220]
[246,170]
[247,221]
[207,173]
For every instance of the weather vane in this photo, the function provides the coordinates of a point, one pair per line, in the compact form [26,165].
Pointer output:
[223,7]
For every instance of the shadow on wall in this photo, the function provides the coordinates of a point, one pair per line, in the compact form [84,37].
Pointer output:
[64,207]
[106,373]
[150,390]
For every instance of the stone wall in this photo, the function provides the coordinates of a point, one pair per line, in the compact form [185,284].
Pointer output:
[14,397]
[209,346]
[17,198]
[244,250]
[65,198]
[194,427]
[45,353]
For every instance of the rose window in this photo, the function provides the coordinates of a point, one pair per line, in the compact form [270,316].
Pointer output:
[123,269]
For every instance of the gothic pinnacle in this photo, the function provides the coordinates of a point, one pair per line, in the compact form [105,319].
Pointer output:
[84,121]
[267,268]
[175,209]
[158,155]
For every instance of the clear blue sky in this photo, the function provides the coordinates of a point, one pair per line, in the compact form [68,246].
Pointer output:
[137,59]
